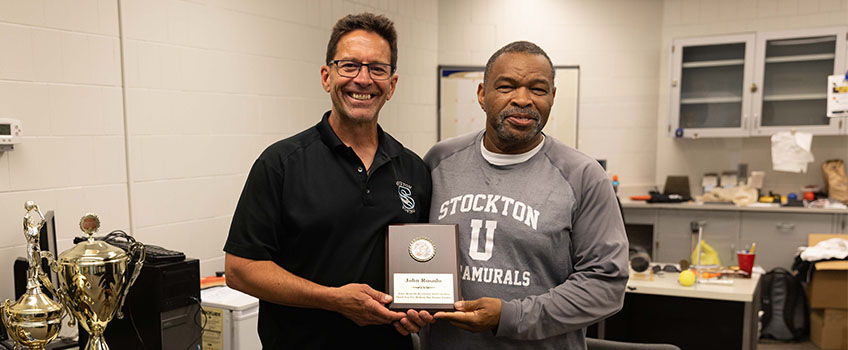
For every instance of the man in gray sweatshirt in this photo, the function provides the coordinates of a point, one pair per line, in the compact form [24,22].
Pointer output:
[543,252]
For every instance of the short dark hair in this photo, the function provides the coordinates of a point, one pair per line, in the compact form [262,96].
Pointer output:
[370,22]
[518,47]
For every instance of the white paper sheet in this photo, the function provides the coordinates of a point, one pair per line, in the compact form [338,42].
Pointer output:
[790,151]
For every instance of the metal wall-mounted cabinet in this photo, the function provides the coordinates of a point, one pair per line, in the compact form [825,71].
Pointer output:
[755,84]
[709,94]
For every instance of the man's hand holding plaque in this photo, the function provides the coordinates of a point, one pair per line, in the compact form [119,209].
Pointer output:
[474,315]
[422,272]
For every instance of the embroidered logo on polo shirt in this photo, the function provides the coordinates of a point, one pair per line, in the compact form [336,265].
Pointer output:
[406,200]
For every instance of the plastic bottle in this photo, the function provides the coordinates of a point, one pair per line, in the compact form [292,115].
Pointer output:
[615,183]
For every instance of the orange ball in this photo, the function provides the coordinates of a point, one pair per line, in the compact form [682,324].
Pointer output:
[809,196]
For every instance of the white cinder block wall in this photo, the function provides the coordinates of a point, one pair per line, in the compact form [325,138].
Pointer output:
[208,85]
[693,18]
[60,75]
[616,45]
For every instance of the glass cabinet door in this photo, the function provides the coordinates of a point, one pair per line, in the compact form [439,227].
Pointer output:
[708,88]
[792,69]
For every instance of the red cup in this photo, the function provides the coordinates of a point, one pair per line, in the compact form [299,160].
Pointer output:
[746,261]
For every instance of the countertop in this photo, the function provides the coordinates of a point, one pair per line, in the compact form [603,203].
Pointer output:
[742,289]
[629,204]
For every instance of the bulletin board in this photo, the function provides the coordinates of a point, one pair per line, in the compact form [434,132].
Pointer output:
[460,113]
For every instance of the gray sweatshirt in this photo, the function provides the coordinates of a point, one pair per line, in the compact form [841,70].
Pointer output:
[544,235]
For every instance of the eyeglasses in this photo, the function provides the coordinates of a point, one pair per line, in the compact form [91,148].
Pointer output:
[351,69]
[666,268]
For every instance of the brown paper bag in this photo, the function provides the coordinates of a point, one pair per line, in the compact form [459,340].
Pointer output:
[835,180]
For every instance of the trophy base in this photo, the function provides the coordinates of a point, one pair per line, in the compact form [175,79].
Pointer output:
[25,347]
[96,342]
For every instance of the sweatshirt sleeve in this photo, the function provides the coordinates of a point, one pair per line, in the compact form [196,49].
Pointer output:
[595,288]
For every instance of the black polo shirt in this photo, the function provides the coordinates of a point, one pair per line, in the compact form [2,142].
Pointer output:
[310,206]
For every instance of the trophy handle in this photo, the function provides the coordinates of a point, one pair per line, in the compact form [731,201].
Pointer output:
[137,253]
[45,280]
[57,291]
[66,309]
[4,312]
[6,316]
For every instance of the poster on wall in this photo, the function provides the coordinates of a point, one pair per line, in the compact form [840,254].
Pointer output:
[460,112]
[837,96]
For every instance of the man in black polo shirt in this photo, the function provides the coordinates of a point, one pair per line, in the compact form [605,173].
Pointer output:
[307,236]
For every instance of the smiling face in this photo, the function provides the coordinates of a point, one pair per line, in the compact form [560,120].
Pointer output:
[359,99]
[517,97]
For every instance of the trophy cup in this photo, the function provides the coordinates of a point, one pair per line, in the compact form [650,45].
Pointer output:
[95,278]
[35,319]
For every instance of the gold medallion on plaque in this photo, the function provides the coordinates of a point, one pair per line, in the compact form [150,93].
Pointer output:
[422,249]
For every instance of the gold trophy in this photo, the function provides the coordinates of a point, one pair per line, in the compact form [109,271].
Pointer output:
[95,278]
[35,319]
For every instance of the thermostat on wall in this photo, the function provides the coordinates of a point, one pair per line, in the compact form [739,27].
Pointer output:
[10,131]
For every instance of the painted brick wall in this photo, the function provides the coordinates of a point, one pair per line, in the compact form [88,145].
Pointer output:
[209,84]
[60,75]
[616,45]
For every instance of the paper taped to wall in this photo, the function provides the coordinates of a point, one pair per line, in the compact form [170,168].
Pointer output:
[790,151]
[837,96]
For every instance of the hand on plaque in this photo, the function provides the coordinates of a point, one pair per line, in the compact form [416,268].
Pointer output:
[474,315]
[364,305]
[413,321]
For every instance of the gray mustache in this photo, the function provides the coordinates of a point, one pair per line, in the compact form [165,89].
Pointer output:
[518,110]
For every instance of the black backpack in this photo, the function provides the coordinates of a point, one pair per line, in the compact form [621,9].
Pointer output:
[786,308]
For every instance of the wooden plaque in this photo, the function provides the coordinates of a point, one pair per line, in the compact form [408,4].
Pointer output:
[422,266]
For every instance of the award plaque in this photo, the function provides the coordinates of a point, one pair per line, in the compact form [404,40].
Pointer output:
[422,266]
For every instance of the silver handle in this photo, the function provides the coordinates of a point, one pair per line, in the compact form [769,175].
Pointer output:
[785,227]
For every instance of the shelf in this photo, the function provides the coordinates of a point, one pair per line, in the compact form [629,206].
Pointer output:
[801,41]
[703,100]
[795,97]
[800,58]
[716,63]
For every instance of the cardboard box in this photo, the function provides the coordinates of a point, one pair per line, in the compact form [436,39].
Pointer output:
[829,286]
[829,328]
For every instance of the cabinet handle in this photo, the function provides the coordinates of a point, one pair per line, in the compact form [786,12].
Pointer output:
[785,227]
[753,87]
